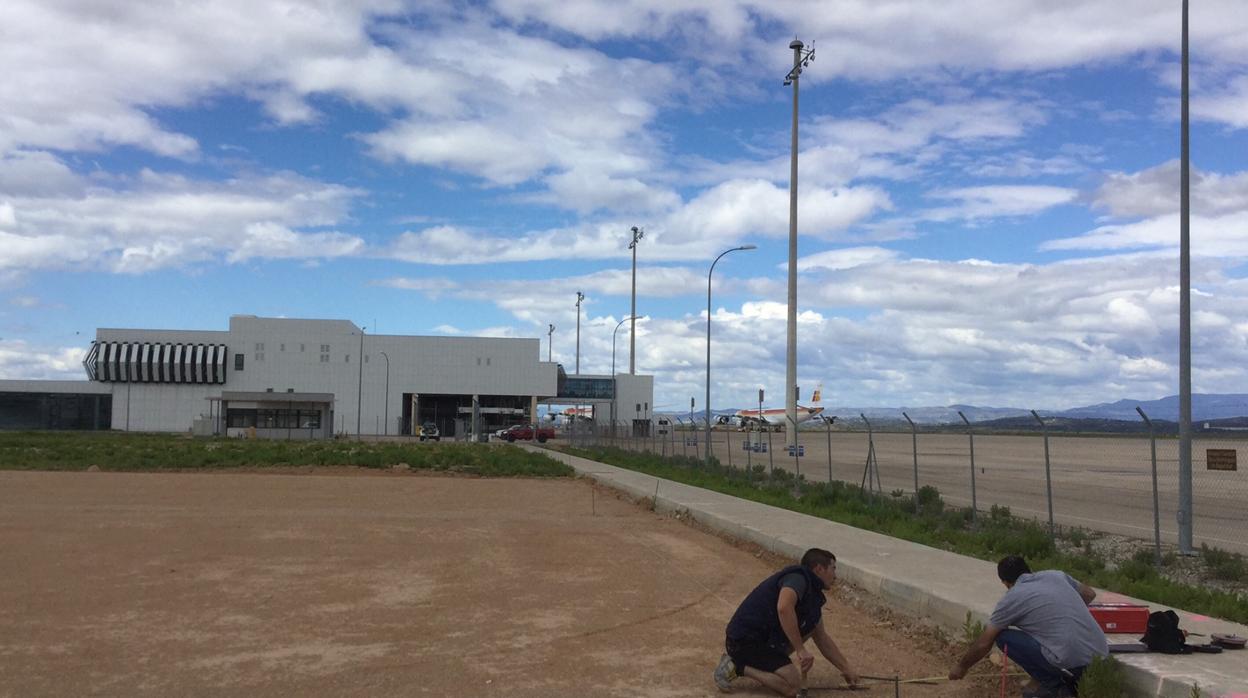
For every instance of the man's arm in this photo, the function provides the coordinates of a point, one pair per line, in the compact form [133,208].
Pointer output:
[832,653]
[977,651]
[786,608]
[1086,593]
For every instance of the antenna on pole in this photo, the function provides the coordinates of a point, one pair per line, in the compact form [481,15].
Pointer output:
[802,57]
[638,234]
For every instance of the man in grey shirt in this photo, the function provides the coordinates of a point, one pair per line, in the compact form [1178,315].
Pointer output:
[1044,626]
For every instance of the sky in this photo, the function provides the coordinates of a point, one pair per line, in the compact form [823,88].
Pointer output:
[988,189]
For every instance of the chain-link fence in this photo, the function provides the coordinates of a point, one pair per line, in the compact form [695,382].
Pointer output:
[1103,483]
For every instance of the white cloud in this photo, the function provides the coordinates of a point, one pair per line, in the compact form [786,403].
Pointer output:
[1212,236]
[22,360]
[845,258]
[158,220]
[976,203]
[1155,192]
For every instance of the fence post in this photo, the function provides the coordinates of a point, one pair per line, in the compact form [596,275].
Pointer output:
[1048,478]
[971,435]
[914,443]
[1152,447]
[871,469]
[728,441]
[771,459]
[797,463]
[828,421]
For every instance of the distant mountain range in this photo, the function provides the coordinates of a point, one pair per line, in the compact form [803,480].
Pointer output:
[1205,407]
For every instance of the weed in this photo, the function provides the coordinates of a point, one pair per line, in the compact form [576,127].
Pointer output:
[1223,564]
[1104,678]
[140,452]
[971,630]
[897,494]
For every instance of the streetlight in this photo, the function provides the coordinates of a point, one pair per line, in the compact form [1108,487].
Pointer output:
[579,297]
[638,233]
[708,344]
[550,341]
[359,393]
[386,428]
[613,386]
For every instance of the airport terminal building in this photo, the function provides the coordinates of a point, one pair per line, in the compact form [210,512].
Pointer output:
[290,378]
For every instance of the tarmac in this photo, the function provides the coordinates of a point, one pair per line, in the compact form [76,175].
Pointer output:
[934,585]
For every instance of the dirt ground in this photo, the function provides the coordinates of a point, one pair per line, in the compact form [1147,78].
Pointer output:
[355,583]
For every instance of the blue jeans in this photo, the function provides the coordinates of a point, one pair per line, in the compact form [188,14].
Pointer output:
[1024,650]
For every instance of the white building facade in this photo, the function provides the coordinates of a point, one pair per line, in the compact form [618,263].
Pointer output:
[292,378]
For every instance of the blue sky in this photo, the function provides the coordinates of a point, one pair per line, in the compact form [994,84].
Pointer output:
[988,199]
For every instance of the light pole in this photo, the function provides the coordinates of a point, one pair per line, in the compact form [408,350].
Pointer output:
[579,297]
[386,428]
[550,340]
[1185,314]
[708,345]
[638,234]
[613,386]
[359,394]
[801,58]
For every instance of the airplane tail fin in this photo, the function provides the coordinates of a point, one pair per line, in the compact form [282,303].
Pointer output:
[818,394]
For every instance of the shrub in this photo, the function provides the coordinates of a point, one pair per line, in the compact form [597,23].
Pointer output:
[1223,564]
[1104,678]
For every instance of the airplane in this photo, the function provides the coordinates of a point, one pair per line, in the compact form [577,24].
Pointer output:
[571,414]
[774,418]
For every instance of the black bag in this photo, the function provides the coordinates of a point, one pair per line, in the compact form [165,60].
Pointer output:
[1163,634]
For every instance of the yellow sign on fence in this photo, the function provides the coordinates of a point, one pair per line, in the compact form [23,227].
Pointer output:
[1220,459]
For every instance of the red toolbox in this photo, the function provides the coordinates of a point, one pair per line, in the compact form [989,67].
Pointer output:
[1120,617]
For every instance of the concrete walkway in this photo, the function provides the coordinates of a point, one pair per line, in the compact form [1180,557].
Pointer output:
[919,580]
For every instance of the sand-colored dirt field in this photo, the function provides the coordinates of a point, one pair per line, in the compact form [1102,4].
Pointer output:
[352,583]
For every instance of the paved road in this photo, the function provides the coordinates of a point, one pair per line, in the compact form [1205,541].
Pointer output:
[1099,483]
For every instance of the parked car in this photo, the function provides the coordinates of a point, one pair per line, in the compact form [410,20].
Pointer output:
[429,431]
[524,432]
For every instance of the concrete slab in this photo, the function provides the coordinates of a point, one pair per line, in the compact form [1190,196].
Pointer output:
[922,581]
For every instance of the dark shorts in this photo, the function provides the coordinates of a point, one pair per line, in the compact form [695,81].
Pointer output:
[759,655]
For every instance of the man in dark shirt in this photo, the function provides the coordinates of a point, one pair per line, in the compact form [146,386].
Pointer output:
[774,621]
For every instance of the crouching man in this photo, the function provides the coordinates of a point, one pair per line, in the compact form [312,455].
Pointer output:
[1044,626]
[774,622]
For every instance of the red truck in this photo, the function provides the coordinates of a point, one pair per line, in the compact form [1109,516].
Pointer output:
[524,432]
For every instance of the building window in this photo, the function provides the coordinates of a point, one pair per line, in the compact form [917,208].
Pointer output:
[487,361]
[238,362]
[240,418]
[347,357]
[259,346]
[366,358]
[281,347]
[302,347]
[478,360]
[324,358]
[259,356]
[324,348]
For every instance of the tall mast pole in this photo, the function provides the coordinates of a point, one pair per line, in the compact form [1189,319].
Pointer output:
[1185,317]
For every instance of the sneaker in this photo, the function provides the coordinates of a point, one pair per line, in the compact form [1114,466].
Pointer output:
[725,672]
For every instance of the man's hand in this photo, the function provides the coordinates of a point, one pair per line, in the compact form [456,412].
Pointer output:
[851,677]
[957,673]
[805,660]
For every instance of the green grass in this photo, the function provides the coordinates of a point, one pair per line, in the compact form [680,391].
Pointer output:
[154,452]
[993,535]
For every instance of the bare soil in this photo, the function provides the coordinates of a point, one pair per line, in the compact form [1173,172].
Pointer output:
[385,584]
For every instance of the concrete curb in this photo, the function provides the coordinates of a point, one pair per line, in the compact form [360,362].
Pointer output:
[923,582]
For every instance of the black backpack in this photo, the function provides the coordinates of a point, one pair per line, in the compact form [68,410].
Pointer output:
[1163,634]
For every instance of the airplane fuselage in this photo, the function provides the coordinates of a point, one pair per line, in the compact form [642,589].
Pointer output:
[774,417]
